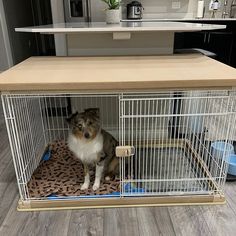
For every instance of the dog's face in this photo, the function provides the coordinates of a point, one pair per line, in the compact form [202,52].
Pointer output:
[85,125]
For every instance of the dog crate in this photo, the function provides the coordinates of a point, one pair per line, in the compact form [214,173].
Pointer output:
[166,147]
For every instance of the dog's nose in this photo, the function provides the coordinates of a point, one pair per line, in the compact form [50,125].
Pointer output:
[86,135]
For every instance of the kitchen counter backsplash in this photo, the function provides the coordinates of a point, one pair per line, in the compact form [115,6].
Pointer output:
[154,9]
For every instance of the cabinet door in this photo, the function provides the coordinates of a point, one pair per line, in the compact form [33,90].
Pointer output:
[221,43]
[191,40]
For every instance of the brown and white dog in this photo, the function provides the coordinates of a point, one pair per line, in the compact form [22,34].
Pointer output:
[92,145]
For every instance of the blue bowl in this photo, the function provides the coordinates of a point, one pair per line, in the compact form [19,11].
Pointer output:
[222,150]
[232,164]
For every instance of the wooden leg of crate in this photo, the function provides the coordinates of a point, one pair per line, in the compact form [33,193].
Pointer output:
[36,205]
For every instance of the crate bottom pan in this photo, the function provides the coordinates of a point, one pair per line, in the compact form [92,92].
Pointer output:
[37,205]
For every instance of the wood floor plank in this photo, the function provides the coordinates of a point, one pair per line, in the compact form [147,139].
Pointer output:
[163,221]
[120,222]
[128,222]
[111,224]
[8,193]
[221,220]
[13,221]
[188,221]
[86,223]
[51,223]
[35,223]
[147,222]
[230,191]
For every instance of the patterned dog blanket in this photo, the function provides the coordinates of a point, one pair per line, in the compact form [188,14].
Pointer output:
[62,175]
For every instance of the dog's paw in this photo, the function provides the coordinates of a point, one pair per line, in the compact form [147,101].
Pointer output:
[84,186]
[107,178]
[96,186]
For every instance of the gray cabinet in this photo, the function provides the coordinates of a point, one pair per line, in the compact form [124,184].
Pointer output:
[220,42]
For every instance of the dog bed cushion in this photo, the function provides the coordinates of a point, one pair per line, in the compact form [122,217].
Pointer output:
[61,174]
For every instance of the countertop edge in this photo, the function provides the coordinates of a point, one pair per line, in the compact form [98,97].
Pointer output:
[57,28]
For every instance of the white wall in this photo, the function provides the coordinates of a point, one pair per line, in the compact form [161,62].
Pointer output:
[5,50]
[163,8]
[220,11]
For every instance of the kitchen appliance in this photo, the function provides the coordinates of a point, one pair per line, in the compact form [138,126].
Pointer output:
[77,10]
[84,10]
[134,10]
[214,5]
[233,9]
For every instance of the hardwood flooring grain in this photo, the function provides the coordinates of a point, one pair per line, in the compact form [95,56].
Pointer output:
[221,220]
[164,221]
[121,222]
[147,222]
[8,193]
[230,190]
[35,223]
[86,223]
[188,221]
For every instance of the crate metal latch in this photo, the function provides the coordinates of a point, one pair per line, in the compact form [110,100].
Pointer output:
[125,151]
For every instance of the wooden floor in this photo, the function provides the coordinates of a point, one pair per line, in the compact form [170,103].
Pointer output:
[167,221]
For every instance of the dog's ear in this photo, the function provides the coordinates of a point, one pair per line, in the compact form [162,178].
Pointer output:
[93,111]
[71,119]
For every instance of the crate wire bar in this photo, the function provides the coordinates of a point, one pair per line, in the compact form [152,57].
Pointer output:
[172,132]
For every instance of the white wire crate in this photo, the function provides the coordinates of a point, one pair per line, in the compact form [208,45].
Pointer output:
[171,132]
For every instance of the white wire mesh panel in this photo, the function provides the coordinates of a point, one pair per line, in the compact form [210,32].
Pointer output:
[172,135]
[172,132]
[26,135]
[36,120]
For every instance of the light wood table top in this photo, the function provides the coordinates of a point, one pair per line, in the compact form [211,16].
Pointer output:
[117,73]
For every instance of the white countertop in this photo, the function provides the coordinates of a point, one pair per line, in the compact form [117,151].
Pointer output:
[122,27]
[179,19]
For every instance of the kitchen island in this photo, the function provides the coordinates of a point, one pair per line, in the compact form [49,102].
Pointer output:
[126,38]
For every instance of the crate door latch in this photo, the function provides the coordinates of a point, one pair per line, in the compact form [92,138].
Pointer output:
[125,151]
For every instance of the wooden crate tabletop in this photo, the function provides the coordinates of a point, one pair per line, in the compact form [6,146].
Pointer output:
[117,73]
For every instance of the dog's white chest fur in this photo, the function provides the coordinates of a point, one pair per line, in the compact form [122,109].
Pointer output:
[86,151]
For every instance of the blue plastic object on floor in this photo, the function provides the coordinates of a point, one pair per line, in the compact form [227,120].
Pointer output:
[222,150]
[55,197]
[232,164]
[47,155]
[131,188]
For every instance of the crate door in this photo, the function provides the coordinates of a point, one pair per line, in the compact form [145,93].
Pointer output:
[144,124]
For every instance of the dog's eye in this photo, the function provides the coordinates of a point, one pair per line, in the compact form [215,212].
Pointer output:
[90,123]
[79,126]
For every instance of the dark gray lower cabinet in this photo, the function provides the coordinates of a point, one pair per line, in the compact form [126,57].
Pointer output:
[221,42]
